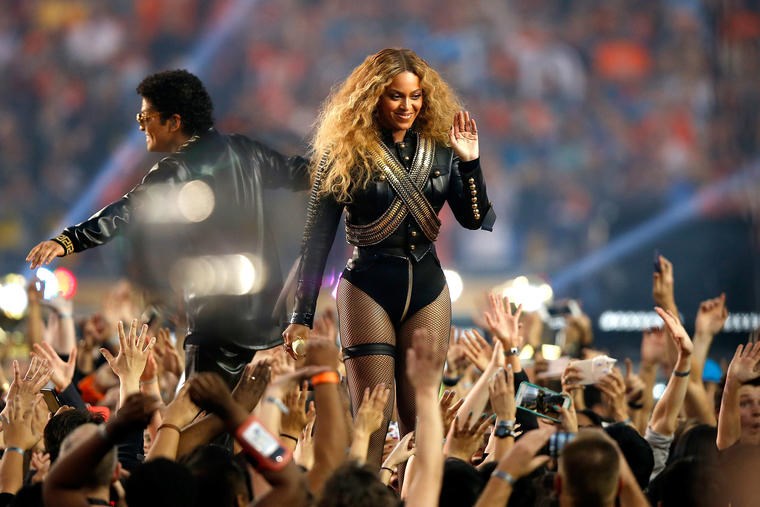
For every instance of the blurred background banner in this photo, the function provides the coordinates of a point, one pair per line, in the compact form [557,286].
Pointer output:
[609,129]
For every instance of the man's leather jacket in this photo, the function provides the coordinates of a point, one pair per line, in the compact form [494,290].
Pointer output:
[238,170]
[461,184]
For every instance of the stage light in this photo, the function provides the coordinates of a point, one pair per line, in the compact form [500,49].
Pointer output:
[551,352]
[530,292]
[67,282]
[196,201]
[210,275]
[13,298]
[455,283]
[51,283]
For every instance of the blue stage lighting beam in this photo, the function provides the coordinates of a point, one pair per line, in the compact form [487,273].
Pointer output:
[133,145]
[672,217]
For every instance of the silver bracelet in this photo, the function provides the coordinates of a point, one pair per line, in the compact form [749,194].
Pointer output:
[504,476]
[278,403]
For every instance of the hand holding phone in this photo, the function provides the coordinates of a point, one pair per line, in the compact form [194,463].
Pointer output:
[541,401]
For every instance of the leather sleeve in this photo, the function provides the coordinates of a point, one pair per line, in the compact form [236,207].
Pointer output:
[318,241]
[279,171]
[113,220]
[467,195]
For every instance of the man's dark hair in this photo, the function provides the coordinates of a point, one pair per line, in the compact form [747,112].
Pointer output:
[179,92]
[698,441]
[162,483]
[462,484]
[353,484]
[60,425]
[219,477]
[687,481]
[590,469]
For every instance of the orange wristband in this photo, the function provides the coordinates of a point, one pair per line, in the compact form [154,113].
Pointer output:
[326,377]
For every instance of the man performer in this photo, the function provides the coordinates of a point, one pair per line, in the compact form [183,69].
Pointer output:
[225,327]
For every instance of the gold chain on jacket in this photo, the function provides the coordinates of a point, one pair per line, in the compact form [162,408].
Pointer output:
[409,197]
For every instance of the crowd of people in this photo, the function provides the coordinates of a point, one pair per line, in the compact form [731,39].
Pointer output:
[140,403]
[98,410]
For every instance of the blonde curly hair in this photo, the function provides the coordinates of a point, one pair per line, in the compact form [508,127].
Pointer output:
[347,125]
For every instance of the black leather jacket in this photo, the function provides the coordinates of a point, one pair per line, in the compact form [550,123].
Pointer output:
[238,170]
[460,184]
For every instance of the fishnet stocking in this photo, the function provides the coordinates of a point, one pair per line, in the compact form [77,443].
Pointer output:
[362,320]
[436,318]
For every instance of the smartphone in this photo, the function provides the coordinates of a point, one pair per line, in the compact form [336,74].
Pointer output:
[393,430]
[541,401]
[657,268]
[593,369]
[263,447]
[557,442]
[564,308]
[52,400]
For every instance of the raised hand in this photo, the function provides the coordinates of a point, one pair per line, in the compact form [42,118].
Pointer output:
[61,371]
[369,417]
[209,392]
[181,411]
[663,285]
[744,364]
[35,378]
[521,460]
[476,349]
[448,408]
[613,386]
[166,354]
[463,136]
[297,417]
[24,422]
[677,332]
[44,253]
[502,323]
[325,326]
[501,388]
[423,366]
[252,384]
[463,441]
[711,316]
[130,361]
[401,452]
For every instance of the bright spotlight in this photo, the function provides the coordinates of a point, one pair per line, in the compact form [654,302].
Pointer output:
[13,298]
[551,352]
[454,281]
[67,282]
[532,293]
[51,283]
[196,201]
[209,275]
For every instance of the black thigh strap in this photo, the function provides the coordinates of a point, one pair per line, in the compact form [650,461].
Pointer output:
[369,349]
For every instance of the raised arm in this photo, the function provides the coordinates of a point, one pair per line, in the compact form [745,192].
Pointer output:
[467,188]
[743,368]
[330,429]
[665,415]
[423,370]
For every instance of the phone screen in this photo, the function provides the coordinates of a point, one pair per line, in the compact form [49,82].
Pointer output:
[261,440]
[541,401]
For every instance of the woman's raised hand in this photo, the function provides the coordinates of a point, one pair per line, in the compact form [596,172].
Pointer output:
[463,136]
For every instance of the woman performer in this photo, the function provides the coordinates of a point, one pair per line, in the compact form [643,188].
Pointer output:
[385,150]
